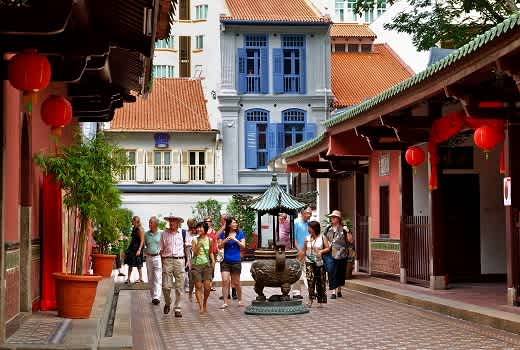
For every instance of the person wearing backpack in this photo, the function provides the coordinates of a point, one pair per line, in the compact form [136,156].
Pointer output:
[173,251]
[339,244]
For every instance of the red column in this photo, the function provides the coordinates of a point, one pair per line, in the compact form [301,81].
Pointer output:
[51,241]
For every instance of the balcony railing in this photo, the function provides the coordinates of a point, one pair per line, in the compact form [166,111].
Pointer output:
[253,83]
[291,83]
[197,172]
[162,172]
[128,174]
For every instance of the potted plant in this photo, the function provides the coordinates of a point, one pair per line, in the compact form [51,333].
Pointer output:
[86,171]
[110,221]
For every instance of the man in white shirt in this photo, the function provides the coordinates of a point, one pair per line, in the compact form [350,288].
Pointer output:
[173,251]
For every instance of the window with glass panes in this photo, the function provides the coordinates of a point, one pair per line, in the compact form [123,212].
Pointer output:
[201,12]
[256,122]
[162,163]
[350,14]
[168,43]
[163,71]
[381,7]
[129,173]
[293,64]
[366,47]
[199,42]
[353,47]
[293,126]
[253,65]
[197,165]
[340,10]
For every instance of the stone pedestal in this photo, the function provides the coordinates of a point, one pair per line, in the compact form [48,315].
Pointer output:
[292,307]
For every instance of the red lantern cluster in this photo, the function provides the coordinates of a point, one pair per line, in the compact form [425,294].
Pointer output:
[56,112]
[487,138]
[29,71]
[414,156]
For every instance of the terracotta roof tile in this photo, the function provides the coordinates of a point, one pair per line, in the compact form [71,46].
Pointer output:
[273,11]
[351,30]
[359,76]
[173,105]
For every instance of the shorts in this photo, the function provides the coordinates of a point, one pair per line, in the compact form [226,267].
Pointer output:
[201,272]
[232,267]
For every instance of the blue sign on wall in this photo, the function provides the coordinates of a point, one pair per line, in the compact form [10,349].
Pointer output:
[161,140]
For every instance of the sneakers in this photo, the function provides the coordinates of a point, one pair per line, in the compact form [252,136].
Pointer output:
[177,313]
[166,309]
[333,296]
[156,301]
[340,295]
[224,306]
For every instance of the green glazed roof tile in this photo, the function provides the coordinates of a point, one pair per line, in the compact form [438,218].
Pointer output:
[275,200]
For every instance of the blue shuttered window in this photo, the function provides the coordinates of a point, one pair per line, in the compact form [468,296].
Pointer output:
[253,65]
[278,71]
[309,131]
[257,138]
[293,65]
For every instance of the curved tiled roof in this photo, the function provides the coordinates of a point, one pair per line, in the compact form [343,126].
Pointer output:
[472,46]
[276,11]
[357,76]
[173,105]
[275,200]
[490,35]
[351,30]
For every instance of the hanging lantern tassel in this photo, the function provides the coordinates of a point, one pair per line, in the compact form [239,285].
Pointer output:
[502,162]
[57,131]
[486,138]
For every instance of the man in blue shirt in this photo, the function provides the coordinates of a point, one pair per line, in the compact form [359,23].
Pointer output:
[300,232]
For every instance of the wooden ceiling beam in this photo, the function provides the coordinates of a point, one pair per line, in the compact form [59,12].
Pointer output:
[314,165]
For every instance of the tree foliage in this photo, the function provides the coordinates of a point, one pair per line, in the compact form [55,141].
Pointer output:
[246,217]
[210,207]
[450,22]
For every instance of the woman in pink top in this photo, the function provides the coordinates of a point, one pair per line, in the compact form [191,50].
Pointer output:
[285,230]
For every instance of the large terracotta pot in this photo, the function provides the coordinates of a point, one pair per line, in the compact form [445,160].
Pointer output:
[103,264]
[75,294]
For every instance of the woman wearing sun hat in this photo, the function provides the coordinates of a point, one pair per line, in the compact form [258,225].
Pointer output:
[337,237]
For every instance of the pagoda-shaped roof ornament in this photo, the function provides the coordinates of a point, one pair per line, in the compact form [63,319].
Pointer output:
[275,200]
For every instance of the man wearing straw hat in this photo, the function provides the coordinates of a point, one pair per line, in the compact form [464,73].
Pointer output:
[173,252]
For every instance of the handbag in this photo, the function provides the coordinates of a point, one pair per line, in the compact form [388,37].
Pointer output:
[328,262]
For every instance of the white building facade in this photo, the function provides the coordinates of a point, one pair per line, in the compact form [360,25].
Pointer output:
[193,49]
[274,92]
[343,10]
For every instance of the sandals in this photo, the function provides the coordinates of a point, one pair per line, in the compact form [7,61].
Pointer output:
[240,303]
[127,282]
[139,281]
[224,306]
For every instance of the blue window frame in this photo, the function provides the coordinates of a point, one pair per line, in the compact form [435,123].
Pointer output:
[289,65]
[252,65]
[293,126]
[256,138]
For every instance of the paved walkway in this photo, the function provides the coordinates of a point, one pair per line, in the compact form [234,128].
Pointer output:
[356,321]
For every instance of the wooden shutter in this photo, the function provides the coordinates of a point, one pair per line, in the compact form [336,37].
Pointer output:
[251,145]
[176,165]
[140,165]
[210,166]
[150,171]
[271,141]
[264,70]
[278,71]
[185,56]
[303,71]
[185,169]
[280,138]
[184,10]
[309,132]
[241,70]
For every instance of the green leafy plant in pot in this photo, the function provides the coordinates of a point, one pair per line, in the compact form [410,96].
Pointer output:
[86,171]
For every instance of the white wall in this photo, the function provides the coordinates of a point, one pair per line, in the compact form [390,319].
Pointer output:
[184,141]
[146,205]
[401,43]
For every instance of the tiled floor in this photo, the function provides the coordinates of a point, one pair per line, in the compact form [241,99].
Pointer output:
[356,321]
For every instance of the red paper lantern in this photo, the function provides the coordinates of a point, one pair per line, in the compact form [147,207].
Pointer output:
[414,156]
[56,112]
[29,71]
[486,138]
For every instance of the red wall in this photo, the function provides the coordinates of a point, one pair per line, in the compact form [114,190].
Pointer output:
[393,181]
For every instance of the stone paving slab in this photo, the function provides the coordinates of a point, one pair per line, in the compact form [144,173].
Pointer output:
[484,315]
[356,321]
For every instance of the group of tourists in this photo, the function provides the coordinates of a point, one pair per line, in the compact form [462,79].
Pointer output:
[323,255]
[185,260]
